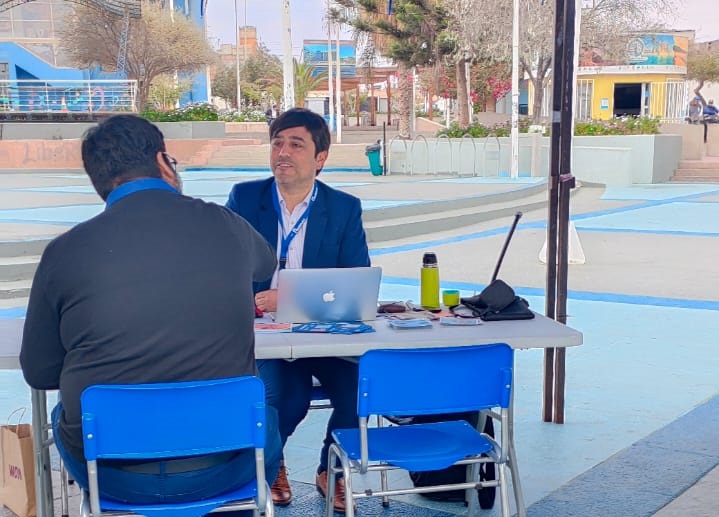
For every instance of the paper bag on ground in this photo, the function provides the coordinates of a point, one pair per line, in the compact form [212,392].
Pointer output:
[18,469]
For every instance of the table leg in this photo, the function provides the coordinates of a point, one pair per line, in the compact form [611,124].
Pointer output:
[41,444]
[513,467]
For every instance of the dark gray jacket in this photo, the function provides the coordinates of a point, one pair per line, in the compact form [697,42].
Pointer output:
[156,288]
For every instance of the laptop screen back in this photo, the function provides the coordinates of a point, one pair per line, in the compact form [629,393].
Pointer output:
[332,294]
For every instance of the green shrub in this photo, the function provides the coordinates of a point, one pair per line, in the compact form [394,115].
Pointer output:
[615,126]
[189,113]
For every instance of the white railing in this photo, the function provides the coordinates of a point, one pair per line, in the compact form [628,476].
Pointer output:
[83,96]
[665,100]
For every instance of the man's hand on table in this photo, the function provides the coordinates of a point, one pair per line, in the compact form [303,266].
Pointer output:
[266,301]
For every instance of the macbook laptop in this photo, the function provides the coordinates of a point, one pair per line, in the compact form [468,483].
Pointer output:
[333,294]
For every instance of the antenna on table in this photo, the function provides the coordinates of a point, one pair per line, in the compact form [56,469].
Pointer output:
[517,217]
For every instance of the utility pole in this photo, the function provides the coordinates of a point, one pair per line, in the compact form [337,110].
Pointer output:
[514,165]
[237,59]
[338,89]
[288,69]
[330,85]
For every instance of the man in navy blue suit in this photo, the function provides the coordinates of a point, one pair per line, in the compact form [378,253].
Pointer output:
[311,225]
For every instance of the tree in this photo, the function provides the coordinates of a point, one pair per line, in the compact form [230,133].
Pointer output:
[305,81]
[477,34]
[166,90]
[703,67]
[408,36]
[260,76]
[607,25]
[157,43]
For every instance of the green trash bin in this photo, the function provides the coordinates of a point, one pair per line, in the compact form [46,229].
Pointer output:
[373,155]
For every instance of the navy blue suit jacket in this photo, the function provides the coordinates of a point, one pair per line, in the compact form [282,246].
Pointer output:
[334,236]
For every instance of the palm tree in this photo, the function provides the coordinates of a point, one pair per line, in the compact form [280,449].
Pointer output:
[306,80]
[408,36]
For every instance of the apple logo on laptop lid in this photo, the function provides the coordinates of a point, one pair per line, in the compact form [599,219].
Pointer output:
[329,296]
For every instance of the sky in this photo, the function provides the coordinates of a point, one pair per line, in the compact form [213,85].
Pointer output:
[308,23]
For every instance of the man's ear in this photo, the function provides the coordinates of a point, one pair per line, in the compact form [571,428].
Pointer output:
[321,158]
[166,172]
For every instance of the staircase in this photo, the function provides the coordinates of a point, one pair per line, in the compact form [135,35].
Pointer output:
[239,156]
[698,171]
[19,258]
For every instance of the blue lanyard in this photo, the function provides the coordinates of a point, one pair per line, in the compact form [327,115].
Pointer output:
[286,238]
[131,187]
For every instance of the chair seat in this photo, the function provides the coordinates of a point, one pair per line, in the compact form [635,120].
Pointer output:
[417,447]
[190,509]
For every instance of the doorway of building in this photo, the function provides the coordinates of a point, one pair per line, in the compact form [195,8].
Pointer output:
[627,99]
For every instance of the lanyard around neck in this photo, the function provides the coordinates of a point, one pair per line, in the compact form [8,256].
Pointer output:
[286,238]
[139,185]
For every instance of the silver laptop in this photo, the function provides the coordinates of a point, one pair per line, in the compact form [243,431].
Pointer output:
[334,294]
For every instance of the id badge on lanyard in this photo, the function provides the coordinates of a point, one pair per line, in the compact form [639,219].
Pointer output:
[287,237]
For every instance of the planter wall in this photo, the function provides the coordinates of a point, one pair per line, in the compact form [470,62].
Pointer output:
[609,160]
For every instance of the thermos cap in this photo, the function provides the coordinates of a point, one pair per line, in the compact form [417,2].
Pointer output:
[429,259]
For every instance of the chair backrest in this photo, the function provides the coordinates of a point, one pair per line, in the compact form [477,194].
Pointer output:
[173,419]
[422,381]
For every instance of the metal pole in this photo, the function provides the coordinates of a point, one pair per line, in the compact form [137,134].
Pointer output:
[237,60]
[330,84]
[338,89]
[288,69]
[551,284]
[514,165]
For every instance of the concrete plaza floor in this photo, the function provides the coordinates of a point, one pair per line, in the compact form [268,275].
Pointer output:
[641,436]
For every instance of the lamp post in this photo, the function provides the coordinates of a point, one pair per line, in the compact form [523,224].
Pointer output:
[514,165]
[288,69]
[338,90]
[237,59]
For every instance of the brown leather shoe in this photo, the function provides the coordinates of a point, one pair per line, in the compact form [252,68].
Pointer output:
[281,491]
[321,482]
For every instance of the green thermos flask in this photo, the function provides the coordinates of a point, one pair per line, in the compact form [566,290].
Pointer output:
[429,282]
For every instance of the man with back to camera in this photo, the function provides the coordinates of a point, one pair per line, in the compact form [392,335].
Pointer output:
[139,294]
[311,225]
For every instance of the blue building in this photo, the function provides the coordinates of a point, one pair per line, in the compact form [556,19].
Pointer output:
[30,54]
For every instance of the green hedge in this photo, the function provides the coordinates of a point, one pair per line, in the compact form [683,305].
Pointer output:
[615,126]
[203,112]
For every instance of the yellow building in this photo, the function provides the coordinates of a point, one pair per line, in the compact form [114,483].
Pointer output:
[650,82]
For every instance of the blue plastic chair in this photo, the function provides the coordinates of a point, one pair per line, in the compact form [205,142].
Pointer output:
[166,420]
[424,382]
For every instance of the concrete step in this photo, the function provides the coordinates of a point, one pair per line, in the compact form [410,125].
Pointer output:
[392,213]
[696,176]
[15,289]
[13,303]
[432,222]
[710,163]
[18,268]
[693,179]
[341,155]
[21,248]
[709,173]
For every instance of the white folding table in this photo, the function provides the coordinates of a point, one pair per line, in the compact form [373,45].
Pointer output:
[539,332]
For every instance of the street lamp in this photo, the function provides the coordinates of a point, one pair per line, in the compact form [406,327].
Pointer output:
[237,59]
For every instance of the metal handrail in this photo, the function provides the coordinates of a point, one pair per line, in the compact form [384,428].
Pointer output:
[484,157]
[389,155]
[436,153]
[464,138]
[75,95]
[426,151]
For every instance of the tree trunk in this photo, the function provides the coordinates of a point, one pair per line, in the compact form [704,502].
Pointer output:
[143,92]
[404,100]
[462,95]
[538,85]
[430,104]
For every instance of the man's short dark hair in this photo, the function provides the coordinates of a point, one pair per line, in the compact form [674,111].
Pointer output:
[119,149]
[311,121]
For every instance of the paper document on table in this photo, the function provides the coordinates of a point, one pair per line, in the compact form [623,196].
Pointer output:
[265,327]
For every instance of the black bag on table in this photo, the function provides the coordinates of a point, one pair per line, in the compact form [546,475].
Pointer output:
[455,473]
